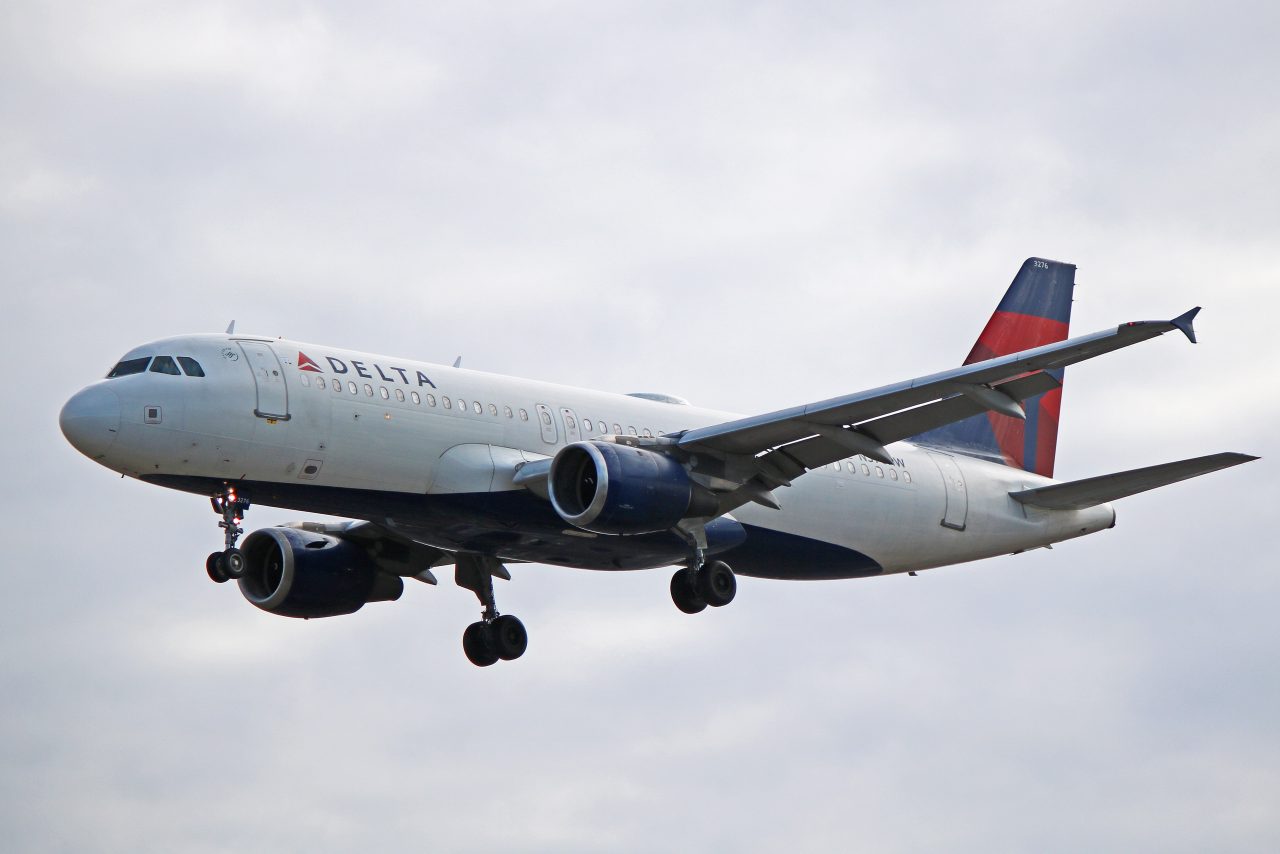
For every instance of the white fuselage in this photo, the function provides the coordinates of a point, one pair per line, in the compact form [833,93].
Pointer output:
[308,422]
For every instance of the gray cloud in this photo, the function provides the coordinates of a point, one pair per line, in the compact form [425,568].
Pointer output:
[749,204]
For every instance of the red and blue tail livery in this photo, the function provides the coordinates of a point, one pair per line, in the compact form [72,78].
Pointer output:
[1035,311]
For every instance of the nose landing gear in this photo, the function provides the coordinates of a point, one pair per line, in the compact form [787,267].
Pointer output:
[230,562]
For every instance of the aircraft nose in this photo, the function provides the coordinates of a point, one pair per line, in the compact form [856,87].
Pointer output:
[91,420]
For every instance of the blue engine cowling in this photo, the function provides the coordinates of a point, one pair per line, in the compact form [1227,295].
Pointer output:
[609,488]
[296,573]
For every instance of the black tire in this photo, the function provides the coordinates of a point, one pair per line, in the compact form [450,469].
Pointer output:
[684,592]
[717,584]
[213,566]
[234,563]
[509,637]
[477,643]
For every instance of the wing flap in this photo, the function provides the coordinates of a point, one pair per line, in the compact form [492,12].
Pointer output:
[820,450]
[913,422]
[1079,494]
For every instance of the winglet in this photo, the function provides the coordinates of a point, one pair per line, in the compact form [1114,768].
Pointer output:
[1183,323]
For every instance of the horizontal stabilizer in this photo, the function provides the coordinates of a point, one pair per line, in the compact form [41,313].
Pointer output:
[1092,491]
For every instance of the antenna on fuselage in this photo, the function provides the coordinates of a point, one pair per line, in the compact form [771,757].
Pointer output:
[457,363]
[231,328]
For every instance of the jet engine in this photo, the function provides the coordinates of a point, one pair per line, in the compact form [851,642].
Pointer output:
[610,488]
[297,573]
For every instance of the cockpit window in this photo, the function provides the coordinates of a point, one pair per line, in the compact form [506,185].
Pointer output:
[165,365]
[129,366]
[191,366]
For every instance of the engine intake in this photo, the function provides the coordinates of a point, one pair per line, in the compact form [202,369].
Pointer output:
[297,573]
[608,488]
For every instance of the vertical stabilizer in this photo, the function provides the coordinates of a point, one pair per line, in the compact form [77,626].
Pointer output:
[1036,310]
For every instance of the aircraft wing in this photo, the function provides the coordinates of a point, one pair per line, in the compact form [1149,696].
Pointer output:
[788,442]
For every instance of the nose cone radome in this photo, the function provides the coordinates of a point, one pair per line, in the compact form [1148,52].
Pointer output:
[90,420]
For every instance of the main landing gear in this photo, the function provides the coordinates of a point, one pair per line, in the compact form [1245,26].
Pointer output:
[495,636]
[713,584]
[701,582]
[228,563]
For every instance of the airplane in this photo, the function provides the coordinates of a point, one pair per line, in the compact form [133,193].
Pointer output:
[439,465]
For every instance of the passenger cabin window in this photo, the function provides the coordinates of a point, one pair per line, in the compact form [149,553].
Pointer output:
[462,404]
[129,366]
[431,399]
[165,365]
[506,410]
[477,407]
[445,402]
[414,397]
[191,366]
[906,476]
[382,391]
[493,410]
[524,415]
[617,429]
[648,434]
[351,385]
[400,395]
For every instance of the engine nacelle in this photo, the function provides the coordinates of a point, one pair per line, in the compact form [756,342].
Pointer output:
[609,488]
[297,573]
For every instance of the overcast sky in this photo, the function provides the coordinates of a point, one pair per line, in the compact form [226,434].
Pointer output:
[752,205]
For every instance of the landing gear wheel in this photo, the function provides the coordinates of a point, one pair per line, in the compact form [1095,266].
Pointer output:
[508,637]
[684,592]
[233,563]
[213,566]
[477,643]
[717,584]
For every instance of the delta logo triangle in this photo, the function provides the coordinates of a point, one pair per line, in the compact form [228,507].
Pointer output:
[306,363]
